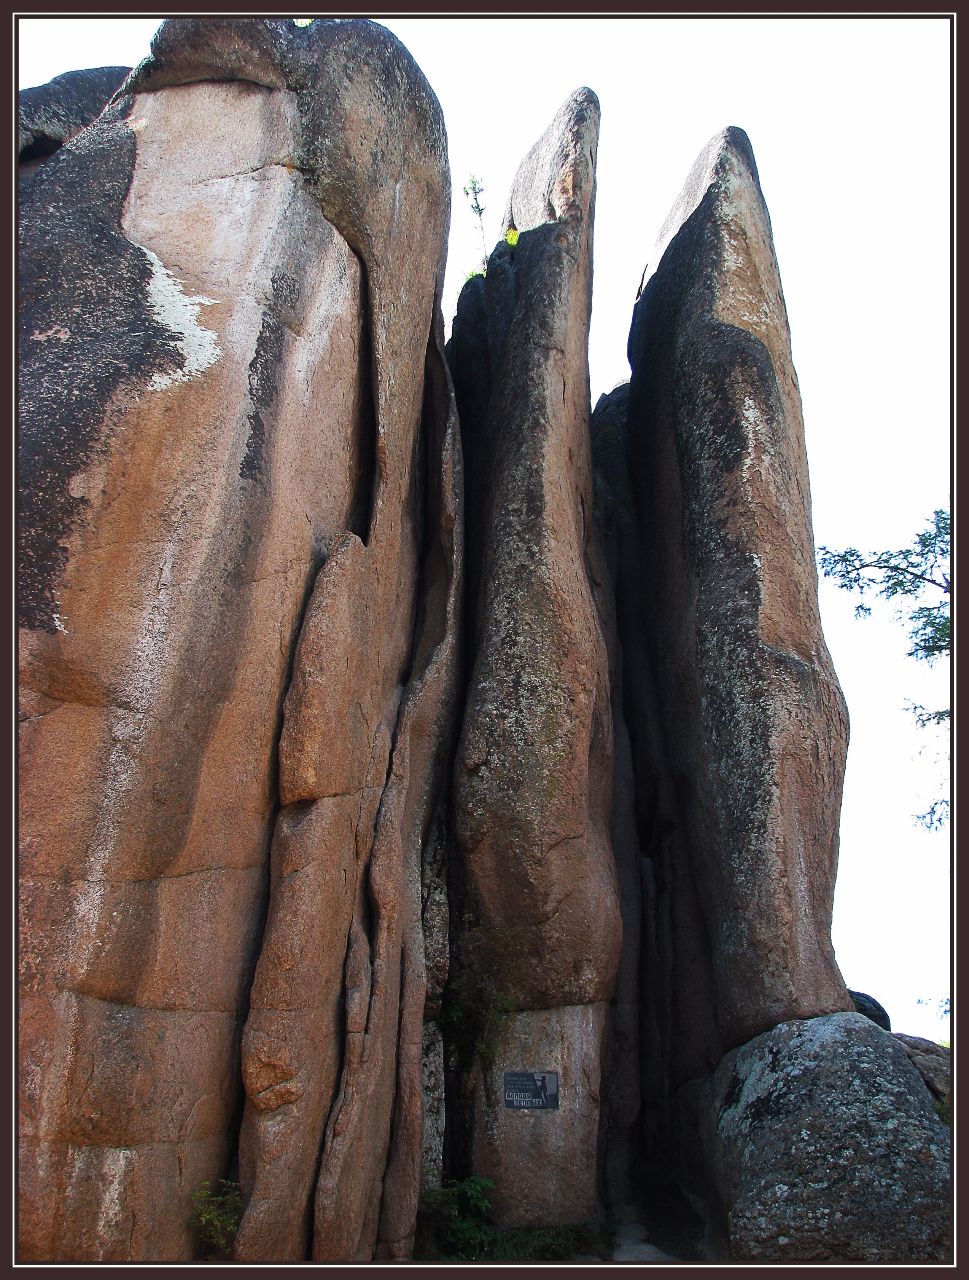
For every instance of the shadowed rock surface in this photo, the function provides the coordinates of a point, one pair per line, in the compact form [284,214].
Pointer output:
[49,114]
[661,1024]
[533,778]
[870,1007]
[618,570]
[257,390]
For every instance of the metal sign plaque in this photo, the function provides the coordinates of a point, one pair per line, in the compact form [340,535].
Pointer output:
[536,1090]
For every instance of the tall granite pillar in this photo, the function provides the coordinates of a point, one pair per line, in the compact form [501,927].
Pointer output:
[753,722]
[533,779]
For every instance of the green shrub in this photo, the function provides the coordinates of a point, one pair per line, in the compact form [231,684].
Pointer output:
[511,236]
[452,1222]
[453,1225]
[544,1244]
[218,1214]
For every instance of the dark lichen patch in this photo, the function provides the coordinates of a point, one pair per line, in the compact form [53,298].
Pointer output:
[87,336]
[286,290]
[263,388]
[732,1095]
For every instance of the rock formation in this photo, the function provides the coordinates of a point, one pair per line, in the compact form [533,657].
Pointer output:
[240,560]
[934,1064]
[737,726]
[739,739]
[534,768]
[822,1145]
[378,828]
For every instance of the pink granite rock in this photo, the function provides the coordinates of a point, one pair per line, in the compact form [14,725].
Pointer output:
[256,388]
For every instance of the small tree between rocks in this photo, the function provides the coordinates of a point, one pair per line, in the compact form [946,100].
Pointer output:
[474,191]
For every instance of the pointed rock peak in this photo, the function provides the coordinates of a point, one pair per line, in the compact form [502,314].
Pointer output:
[726,161]
[557,177]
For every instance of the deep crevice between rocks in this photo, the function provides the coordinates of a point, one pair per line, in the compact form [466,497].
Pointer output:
[367,479]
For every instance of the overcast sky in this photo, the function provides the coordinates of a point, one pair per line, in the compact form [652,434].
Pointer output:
[850,124]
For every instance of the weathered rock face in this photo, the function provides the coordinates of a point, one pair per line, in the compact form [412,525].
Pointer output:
[533,777]
[231,376]
[820,1143]
[751,721]
[934,1064]
[51,113]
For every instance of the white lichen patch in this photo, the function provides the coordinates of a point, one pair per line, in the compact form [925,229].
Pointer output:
[758,453]
[117,1161]
[179,313]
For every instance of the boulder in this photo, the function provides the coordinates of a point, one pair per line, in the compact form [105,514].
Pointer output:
[750,726]
[239,459]
[870,1007]
[820,1143]
[533,777]
[49,114]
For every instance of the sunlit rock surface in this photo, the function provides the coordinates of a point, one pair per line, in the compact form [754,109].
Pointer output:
[234,411]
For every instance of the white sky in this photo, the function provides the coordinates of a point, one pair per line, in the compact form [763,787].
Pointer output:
[850,124]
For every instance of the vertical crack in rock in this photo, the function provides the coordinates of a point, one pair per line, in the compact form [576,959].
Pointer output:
[366,485]
[428,715]
[661,1011]
[533,777]
[612,520]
